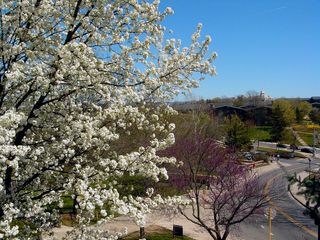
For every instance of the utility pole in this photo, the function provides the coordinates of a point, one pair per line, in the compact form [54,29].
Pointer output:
[314,142]
[309,159]
[270,223]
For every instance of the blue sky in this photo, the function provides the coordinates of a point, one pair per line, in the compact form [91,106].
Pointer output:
[269,45]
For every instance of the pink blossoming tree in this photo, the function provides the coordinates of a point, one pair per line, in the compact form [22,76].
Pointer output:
[223,193]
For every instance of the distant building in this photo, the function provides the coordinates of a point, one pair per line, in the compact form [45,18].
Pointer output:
[315,102]
[264,97]
[226,111]
[315,105]
[260,115]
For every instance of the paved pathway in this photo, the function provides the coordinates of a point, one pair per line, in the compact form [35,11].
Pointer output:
[296,134]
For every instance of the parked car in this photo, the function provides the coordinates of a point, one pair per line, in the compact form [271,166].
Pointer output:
[248,156]
[287,155]
[306,150]
[294,147]
[281,145]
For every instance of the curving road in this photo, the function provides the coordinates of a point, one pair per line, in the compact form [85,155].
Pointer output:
[288,210]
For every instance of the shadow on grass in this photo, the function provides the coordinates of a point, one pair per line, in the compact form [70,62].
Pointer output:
[154,232]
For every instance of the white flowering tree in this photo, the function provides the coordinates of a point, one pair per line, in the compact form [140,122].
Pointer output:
[76,77]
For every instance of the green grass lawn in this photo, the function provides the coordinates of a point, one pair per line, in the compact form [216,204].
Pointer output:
[155,233]
[307,137]
[261,133]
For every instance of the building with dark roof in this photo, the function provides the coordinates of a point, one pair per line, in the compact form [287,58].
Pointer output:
[314,100]
[226,111]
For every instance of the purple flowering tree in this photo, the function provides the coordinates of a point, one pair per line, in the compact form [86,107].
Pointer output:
[223,192]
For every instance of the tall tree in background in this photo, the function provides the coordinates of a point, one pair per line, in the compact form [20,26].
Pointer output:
[278,124]
[186,124]
[76,78]
[288,113]
[236,133]
[303,109]
[315,115]
[282,116]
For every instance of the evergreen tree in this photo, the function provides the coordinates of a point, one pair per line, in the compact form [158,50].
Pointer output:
[278,123]
[299,115]
[237,136]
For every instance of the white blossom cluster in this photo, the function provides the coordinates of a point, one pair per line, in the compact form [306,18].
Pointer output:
[83,92]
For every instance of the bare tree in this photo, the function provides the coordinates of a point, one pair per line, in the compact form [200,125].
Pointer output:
[253,98]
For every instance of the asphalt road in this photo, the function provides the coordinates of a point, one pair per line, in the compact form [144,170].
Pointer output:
[274,146]
[288,208]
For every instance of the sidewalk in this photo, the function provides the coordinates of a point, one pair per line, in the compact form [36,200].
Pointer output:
[295,188]
[121,223]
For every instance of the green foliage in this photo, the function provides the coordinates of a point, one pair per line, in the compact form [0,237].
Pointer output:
[299,116]
[132,185]
[315,116]
[285,107]
[307,137]
[278,124]
[302,110]
[309,187]
[306,133]
[288,137]
[197,121]
[237,136]
[137,185]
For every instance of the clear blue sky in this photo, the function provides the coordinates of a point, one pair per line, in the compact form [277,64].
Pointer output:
[270,45]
